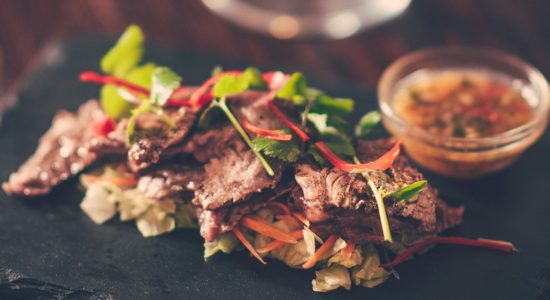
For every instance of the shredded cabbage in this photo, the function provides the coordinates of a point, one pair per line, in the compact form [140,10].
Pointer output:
[97,205]
[369,273]
[331,278]
[104,199]
[355,259]
[225,242]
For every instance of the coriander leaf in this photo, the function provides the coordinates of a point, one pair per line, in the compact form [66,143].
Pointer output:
[141,75]
[337,141]
[366,124]
[164,81]
[285,151]
[230,85]
[339,144]
[295,89]
[339,122]
[409,191]
[254,78]
[319,121]
[126,53]
[329,105]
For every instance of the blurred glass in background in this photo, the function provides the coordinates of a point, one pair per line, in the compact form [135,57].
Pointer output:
[287,19]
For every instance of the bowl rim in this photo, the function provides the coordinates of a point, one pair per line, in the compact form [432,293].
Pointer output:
[535,79]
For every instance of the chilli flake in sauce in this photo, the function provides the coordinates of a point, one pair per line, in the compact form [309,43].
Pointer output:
[462,103]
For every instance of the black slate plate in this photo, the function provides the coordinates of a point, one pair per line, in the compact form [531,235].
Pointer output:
[49,249]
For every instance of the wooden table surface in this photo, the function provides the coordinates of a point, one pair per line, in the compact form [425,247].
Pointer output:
[518,26]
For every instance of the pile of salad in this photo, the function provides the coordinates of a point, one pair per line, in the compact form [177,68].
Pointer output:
[253,160]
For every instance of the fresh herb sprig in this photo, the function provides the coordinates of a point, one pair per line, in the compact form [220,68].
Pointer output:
[164,82]
[234,84]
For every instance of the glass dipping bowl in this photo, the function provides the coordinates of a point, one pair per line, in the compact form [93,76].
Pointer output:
[462,157]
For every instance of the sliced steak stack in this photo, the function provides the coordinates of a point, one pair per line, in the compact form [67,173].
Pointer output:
[343,203]
[235,181]
[62,152]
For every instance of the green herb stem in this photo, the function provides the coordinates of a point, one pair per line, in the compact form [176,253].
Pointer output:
[386,231]
[382,212]
[223,106]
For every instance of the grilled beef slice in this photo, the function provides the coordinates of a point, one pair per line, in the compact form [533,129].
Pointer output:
[204,145]
[61,153]
[234,177]
[170,179]
[219,220]
[344,204]
[148,147]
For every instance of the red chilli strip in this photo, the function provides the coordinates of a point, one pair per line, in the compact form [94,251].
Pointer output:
[198,98]
[299,132]
[382,163]
[423,244]
[278,135]
[98,78]
[103,126]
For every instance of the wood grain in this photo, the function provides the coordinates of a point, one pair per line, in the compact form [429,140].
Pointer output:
[518,26]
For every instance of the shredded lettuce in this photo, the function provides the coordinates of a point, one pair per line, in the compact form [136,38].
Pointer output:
[104,199]
[225,242]
[97,205]
[331,278]
[355,259]
[158,219]
[369,274]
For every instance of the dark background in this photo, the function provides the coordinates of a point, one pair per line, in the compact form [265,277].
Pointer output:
[519,26]
[53,242]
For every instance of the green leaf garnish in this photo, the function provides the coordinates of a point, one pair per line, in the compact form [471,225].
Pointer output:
[295,89]
[367,123]
[337,141]
[143,108]
[229,85]
[141,75]
[126,53]
[254,78]
[285,151]
[339,144]
[409,191]
[164,81]
[113,104]
[223,106]
[329,105]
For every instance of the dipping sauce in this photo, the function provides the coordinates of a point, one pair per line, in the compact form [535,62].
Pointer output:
[462,103]
[464,112]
